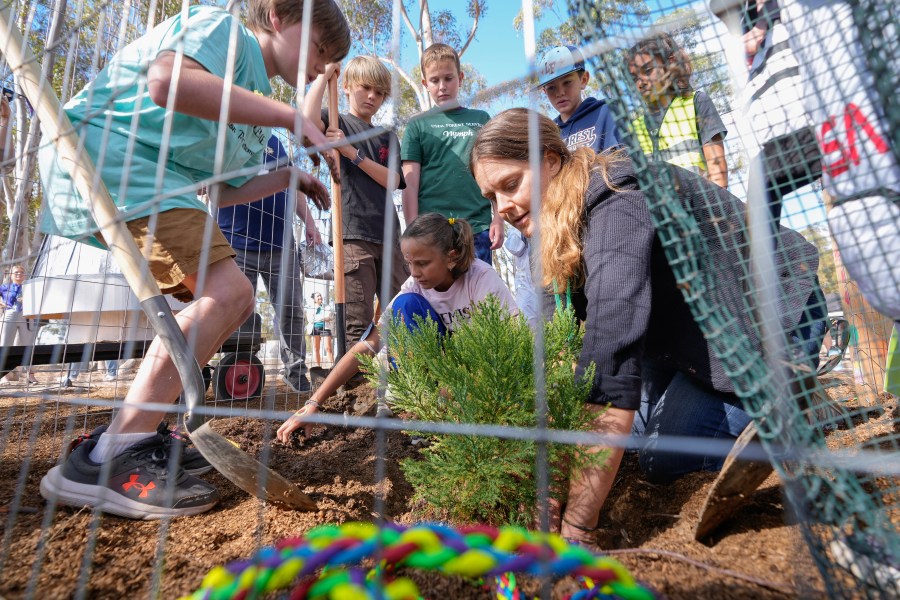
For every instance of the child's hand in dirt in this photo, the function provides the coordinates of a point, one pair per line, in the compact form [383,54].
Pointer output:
[296,421]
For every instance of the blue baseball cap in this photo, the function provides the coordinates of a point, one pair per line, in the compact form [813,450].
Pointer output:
[559,62]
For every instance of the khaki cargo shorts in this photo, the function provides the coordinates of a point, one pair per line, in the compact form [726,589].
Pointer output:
[176,247]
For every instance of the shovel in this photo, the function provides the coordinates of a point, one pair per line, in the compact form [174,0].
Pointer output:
[240,468]
[337,231]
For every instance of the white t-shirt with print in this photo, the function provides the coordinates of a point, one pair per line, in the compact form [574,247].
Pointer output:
[455,304]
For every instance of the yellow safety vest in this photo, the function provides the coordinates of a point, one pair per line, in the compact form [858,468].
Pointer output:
[677,141]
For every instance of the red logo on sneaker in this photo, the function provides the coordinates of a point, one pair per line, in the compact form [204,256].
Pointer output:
[134,483]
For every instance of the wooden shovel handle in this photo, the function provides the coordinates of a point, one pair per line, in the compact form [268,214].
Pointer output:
[58,128]
[337,221]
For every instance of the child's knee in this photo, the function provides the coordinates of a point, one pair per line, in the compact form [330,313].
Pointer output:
[233,294]
[245,301]
[410,305]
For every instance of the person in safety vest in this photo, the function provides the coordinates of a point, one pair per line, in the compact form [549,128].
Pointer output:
[680,126]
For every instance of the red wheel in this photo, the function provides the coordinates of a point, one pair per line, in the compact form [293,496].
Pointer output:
[239,376]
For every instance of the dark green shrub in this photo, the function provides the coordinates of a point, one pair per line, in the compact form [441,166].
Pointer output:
[484,374]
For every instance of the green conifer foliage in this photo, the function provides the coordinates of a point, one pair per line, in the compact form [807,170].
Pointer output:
[483,373]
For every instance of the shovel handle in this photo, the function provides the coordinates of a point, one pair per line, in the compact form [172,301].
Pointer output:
[55,124]
[337,223]
[90,186]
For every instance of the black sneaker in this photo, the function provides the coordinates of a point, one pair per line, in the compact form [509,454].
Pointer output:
[301,386]
[191,460]
[137,487]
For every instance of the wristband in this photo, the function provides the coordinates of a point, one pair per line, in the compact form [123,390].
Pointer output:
[311,402]
[360,156]
[580,528]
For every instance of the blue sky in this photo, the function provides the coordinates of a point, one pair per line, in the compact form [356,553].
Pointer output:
[498,51]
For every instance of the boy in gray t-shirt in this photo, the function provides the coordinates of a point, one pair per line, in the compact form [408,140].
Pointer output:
[364,187]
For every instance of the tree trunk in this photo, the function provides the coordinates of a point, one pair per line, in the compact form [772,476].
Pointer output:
[425,25]
[18,240]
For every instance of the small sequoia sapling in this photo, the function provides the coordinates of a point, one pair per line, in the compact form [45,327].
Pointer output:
[483,374]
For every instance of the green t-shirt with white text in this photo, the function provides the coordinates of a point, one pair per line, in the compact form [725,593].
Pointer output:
[441,141]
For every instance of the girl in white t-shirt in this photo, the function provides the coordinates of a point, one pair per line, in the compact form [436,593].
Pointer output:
[446,281]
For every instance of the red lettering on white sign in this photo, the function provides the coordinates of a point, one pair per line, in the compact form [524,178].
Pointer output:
[855,125]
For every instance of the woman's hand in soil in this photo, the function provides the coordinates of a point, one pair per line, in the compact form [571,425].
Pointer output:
[296,421]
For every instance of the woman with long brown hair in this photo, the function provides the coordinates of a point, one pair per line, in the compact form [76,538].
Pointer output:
[599,248]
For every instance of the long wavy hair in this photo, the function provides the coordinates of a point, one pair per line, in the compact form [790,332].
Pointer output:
[562,206]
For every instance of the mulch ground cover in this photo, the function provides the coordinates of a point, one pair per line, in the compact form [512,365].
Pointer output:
[758,554]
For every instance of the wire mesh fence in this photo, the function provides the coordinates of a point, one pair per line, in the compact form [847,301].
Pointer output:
[789,102]
[703,98]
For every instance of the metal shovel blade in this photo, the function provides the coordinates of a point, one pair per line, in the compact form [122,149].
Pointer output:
[829,364]
[236,465]
[246,472]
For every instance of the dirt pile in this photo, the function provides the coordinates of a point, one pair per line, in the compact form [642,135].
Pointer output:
[652,526]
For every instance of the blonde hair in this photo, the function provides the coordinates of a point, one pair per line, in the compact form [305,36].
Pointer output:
[439,52]
[562,206]
[334,31]
[368,70]
[446,235]
[673,57]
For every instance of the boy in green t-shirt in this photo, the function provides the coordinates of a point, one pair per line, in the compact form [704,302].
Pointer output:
[435,155]
[154,113]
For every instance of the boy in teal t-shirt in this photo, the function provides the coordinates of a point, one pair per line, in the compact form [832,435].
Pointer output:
[151,122]
[435,154]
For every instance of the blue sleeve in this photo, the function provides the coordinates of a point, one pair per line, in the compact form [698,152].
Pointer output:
[606,126]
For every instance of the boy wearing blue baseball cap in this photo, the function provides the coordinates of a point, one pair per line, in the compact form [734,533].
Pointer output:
[582,121]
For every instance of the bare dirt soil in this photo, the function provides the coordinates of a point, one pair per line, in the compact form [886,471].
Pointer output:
[66,550]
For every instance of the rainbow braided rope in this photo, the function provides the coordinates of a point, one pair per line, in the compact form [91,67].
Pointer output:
[316,564]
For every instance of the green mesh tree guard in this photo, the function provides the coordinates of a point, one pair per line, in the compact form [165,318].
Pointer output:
[849,512]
